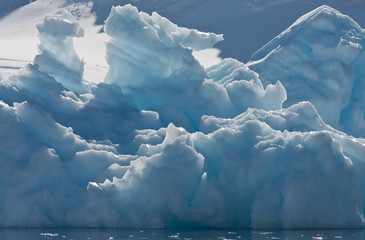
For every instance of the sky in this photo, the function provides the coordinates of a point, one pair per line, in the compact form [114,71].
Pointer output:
[247,25]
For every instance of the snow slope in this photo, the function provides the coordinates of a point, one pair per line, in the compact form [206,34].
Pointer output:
[160,146]
[18,36]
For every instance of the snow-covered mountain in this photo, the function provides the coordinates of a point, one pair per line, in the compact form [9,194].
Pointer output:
[162,141]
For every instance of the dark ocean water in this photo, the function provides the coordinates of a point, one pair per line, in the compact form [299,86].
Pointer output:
[114,234]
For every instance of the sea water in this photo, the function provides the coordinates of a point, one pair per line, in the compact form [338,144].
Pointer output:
[114,234]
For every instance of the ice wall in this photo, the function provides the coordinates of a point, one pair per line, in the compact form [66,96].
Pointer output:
[105,159]
[320,58]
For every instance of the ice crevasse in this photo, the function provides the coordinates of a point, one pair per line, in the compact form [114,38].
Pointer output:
[163,142]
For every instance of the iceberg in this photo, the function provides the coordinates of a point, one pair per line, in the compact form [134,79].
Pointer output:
[165,143]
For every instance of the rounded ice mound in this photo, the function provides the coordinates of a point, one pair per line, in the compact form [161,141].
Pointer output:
[57,54]
[319,59]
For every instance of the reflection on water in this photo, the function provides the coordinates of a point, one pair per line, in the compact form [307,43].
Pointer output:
[115,234]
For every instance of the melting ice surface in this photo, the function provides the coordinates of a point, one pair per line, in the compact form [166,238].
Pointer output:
[165,143]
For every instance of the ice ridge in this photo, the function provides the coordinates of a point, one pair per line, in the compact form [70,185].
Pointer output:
[323,53]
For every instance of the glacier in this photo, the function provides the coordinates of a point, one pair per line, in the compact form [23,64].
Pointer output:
[165,143]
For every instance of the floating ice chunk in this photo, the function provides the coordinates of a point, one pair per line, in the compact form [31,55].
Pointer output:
[57,54]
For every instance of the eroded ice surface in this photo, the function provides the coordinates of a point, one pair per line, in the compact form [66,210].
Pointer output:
[164,142]
[151,59]
[320,58]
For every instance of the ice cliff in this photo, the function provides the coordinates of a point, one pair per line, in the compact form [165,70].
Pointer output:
[164,142]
